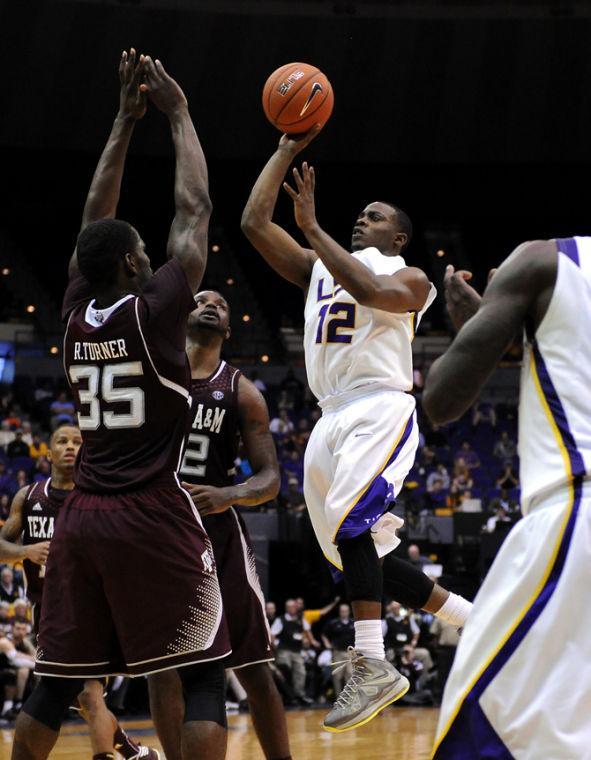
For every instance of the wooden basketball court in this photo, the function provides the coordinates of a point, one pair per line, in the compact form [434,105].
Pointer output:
[400,733]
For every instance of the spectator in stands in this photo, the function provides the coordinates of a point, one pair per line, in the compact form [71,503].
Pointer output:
[468,456]
[499,516]
[415,557]
[43,391]
[461,481]
[338,635]
[289,631]
[62,411]
[507,479]
[399,629]
[19,654]
[446,639]
[437,493]
[27,433]
[5,622]
[312,616]
[302,435]
[503,500]
[434,436]
[21,479]
[271,612]
[439,473]
[4,507]
[293,387]
[505,448]
[484,413]
[6,434]
[9,589]
[285,402]
[38,447]
[257,382]
[17,448]
[427,458]
[293,465]
[281,425]
[6,480]
[13,417]
[20,611]
[292,500]
[43,469]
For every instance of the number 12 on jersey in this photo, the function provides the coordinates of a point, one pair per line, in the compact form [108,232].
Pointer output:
[330,323]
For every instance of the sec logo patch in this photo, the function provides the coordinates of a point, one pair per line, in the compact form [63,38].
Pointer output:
[218,395]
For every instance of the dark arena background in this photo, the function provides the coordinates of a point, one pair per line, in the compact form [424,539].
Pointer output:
[474,117]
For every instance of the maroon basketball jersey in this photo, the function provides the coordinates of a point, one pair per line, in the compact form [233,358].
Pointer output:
[212,445]
[40,509]
[130,377]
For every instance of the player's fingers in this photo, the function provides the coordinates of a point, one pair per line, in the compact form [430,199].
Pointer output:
[139,71]
[160,68]
[464,274]
[290,191]
[122,62]
[298,178]
[312,178]
[491,274]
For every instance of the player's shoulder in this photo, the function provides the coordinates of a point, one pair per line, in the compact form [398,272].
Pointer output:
[532,259]
[249,396]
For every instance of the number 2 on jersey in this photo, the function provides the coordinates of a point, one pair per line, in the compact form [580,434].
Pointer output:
[197,451]
[335,323]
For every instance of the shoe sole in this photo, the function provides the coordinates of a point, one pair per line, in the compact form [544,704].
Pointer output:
[365,720]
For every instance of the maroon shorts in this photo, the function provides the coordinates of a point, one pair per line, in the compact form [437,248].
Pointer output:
[243,598]
[130,587]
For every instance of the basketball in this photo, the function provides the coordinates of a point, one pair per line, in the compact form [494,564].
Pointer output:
[296,97]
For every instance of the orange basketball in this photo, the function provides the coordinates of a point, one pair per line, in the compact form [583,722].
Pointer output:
[297,96]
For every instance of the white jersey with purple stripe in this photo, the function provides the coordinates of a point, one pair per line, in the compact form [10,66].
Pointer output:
[348,345]
[555,402]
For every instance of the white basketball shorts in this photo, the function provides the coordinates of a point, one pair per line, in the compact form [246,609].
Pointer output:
[520,686]
[356,460]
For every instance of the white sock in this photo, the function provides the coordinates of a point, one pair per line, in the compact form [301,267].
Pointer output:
[369,639]
[455,610]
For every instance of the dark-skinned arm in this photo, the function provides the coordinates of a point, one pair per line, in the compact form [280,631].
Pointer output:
[263,485]
[406,290]
[10,550]
[105,188]
[187,241]
[279,249]
[518,295]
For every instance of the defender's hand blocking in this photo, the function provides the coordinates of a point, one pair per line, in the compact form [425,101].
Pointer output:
[208,499]
[163,91]
[132,101]
[303,200]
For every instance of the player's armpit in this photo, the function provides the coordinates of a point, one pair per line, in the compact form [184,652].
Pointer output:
[518,294]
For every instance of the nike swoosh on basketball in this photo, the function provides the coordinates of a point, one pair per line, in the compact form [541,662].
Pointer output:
[316,87]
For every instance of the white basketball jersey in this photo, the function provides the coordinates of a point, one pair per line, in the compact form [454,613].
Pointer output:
[349,346]
[555,399]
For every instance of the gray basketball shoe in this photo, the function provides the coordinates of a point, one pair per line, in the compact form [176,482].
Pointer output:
[374,684]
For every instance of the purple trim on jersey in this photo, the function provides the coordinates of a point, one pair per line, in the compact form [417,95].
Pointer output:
[557,410]
[471,736]
[568,246]
[372,504]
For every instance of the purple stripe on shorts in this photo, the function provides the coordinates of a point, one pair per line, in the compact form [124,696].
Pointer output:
[568,246]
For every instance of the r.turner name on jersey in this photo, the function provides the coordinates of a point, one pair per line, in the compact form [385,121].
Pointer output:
[99,350]
[211,420]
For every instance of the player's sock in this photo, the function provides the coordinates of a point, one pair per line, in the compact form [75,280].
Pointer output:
[455,610]
[8,704]
[123,744]
[368,638]
[104,756]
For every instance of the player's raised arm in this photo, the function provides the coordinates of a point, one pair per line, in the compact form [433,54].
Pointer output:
[10,550]
[187,241]
[516,297]
[279,249]
[406,290]
[105,188]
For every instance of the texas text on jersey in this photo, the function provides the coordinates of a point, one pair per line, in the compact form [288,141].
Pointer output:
[212,445]
[40,509]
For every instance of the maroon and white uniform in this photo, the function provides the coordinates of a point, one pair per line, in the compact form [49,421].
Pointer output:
[212,447]
[40,509]
[130,584]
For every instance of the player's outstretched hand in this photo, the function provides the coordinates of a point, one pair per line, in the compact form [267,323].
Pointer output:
[209,500]
[461,299]
[132,101]
[303,200]
[294,144]
[37,553]
[162,89]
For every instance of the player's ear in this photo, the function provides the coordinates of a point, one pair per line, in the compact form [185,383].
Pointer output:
[400,239]
[130,265]
[228,333]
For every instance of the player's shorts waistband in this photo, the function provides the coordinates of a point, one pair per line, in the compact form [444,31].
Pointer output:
[339,400]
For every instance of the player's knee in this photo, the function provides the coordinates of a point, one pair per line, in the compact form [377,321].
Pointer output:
[361,568]
[50,700]
[204,690]
[91,697]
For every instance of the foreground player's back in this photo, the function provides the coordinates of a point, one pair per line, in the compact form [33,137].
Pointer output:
[555,406]
[129,374]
